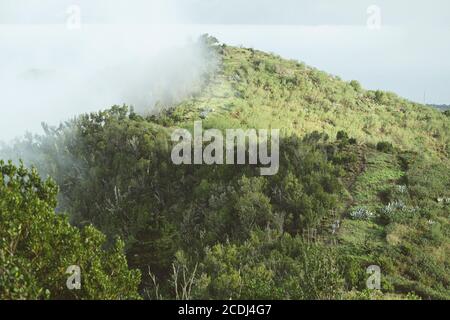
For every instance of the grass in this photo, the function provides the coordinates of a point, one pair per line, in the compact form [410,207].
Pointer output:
[382,171]
[260,90]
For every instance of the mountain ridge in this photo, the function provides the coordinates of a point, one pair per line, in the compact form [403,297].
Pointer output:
[363,181]
[252,83]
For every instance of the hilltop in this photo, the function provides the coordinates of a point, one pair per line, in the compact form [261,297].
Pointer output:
[259,90]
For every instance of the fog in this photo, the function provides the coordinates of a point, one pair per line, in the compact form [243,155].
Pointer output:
[53,72]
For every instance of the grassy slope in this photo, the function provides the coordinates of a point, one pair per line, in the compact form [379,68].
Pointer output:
[259,90]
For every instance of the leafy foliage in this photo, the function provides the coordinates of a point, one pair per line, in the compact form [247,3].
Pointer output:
[37,246]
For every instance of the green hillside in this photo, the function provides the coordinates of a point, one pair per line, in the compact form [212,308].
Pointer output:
[364,180]
[260,90]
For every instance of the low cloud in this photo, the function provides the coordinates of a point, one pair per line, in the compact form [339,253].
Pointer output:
[50,74]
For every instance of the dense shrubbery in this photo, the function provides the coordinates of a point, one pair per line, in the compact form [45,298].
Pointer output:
[179,219]
[265,267]
[121,179]
[37,246]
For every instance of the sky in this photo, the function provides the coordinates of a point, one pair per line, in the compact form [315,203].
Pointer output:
[59,58]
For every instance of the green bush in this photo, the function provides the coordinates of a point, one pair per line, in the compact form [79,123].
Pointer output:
[385,147]
[282,268]
[342,136]
[37,246]
[356,85]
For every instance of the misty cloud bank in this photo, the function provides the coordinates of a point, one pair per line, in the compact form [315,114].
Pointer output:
[50,74]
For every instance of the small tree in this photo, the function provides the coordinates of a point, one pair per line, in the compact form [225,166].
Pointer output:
[385,147]
[37,246]
[342,136]
[355,85]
